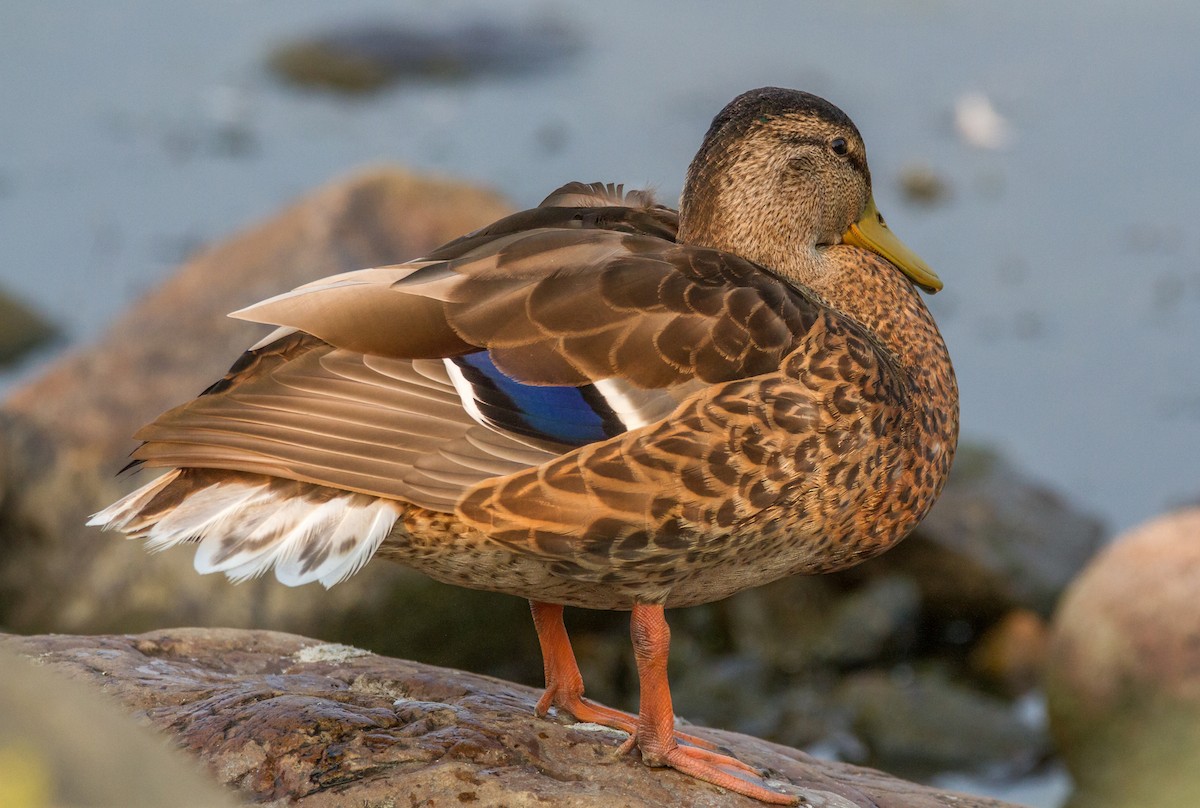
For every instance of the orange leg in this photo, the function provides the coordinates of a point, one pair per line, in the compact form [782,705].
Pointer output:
[564,683]
[655,735]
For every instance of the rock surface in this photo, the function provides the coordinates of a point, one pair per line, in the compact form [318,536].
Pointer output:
[1011,655]
[289,720]
[1123,681]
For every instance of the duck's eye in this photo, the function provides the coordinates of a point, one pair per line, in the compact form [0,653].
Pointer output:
[839,146]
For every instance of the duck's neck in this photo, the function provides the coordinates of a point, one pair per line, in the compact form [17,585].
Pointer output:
[881,298]
[725,218]
[857,283]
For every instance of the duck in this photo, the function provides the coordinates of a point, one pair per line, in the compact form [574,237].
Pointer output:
[600,402]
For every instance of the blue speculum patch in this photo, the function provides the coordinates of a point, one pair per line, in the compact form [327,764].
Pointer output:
[572,415]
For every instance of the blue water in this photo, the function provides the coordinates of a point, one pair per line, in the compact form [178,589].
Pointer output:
[135,131]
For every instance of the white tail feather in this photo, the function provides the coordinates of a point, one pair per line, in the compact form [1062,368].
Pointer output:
[246,526]
[363,528]
[252,545]
[204,508]
[121,513]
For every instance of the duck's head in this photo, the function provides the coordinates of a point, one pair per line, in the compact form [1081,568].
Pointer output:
[782,176]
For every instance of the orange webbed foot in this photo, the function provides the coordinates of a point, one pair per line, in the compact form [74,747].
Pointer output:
[707,753]
[581,709]
[655,736]
[707,766]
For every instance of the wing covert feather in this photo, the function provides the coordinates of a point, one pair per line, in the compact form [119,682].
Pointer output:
[560,306]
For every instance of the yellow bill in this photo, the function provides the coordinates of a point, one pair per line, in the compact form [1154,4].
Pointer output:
[871,233]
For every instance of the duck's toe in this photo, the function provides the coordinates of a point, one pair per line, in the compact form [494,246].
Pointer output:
[713,767]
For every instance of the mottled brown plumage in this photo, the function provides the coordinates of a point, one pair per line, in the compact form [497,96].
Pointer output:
[597,402]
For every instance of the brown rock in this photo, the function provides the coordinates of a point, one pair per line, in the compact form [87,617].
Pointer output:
[1012,654]
[807,622]
[920,722]
[1123,680]
[921,184]
[282,717]
[363,57]
[68,430]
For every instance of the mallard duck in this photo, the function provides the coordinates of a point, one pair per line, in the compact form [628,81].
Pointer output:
[599,402]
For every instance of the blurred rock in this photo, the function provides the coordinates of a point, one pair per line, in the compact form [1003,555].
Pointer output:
[810,622]
[922,185]
[869,621]
[722,690]
[281,717]
[1011,655]
[995,541]
[919,722]
[21,329]
[64,435]
[364,57]
[1123,680]
[63,742]
[783,621]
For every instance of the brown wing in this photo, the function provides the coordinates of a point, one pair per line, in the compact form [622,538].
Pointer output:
[564,306]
